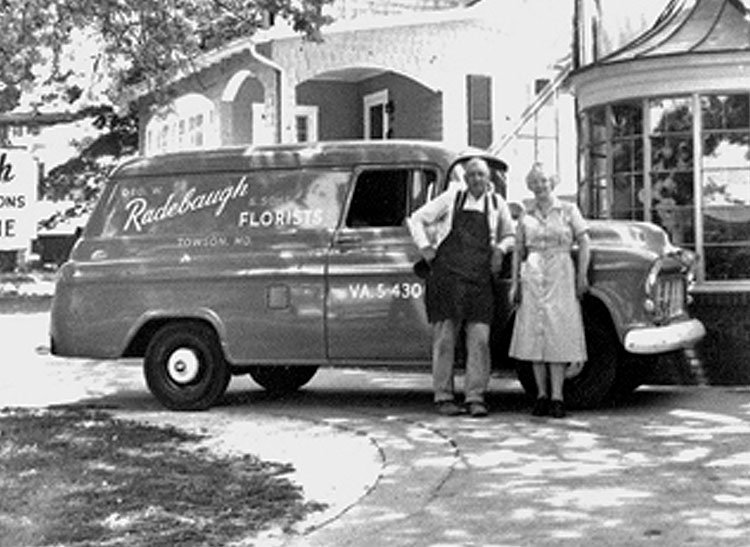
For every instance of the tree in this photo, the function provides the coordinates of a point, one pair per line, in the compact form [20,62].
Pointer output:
[138,44]
[93,57]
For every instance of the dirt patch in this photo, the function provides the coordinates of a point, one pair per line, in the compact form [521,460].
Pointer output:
[77,476]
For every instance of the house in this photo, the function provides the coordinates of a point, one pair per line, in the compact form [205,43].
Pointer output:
[462,74]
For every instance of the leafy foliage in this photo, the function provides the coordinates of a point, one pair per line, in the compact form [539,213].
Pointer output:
[139,42]
[138,48]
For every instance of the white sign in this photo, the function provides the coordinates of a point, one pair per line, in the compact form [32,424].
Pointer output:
[19,177]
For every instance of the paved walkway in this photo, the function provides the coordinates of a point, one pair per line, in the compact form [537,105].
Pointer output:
[670,467]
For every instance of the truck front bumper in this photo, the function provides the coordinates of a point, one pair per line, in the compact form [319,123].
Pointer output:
[651,340]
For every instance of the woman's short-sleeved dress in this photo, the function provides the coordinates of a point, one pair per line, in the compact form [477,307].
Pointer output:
[549,323]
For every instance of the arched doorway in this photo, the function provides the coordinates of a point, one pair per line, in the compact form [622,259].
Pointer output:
[369,103]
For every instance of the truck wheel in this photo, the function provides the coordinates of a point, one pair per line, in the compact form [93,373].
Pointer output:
[592,386]
[184,366]
[282,379]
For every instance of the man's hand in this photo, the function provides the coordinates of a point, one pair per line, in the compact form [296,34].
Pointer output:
[428,253]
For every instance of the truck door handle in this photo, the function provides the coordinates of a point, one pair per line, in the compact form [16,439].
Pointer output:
[348,239]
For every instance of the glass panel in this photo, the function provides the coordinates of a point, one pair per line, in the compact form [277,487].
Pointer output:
[627,119]
[599,160]
[727,262]
[597,125]
[672,204]
[726,187]
[627,155]
[227,203]
[379,199]
[725,111]
[626,197]
[583,128]
[602,198]
[672,115]
[672,153]
[726,149]
[726,222]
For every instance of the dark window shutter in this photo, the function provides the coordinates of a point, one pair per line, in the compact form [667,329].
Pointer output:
[479,95]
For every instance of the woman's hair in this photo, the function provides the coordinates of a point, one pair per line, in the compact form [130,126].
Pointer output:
[537,172]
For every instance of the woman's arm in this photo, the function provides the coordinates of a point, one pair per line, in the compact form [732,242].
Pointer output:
[584,258]
[518,250]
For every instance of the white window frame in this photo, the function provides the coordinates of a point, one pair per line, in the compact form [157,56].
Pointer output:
[310,113]
[375,99]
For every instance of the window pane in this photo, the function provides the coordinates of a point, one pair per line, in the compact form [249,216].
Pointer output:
[670,115]
[626,197]
[597,125]
[627,119]
[380,199]
[672,153]
[725,111]
[726,187]
[727,262]
[255,203]
[422,186]
[627,156]
[726,221]
[672,204]
[726,149]
[601,198]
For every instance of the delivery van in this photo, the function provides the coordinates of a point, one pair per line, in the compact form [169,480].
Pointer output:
[275,260]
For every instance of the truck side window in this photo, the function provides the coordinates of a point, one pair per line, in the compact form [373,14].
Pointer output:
[422,185]
[385,197]
[379,199]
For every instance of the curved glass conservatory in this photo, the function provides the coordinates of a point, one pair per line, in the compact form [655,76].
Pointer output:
[664,134]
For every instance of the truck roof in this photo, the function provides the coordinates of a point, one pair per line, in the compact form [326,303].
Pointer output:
[290,156]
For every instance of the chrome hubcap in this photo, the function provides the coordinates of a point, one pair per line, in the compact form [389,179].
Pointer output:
[183,366]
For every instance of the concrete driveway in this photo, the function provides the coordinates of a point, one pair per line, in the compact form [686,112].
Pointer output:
[670,466]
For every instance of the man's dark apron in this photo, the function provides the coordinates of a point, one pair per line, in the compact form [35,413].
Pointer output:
[459,286]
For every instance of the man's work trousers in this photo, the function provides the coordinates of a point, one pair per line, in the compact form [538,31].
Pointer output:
[477,374]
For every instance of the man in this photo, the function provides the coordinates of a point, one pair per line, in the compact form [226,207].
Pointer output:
[472,230]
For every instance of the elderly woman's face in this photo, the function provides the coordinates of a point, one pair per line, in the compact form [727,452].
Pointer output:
[477,177]
[540,184]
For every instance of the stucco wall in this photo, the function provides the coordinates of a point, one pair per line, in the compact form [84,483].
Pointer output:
[435,56]
[234,118]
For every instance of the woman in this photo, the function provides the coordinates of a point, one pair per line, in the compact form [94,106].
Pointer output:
[548,330]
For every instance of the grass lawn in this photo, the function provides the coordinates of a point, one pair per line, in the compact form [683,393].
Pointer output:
[78,477]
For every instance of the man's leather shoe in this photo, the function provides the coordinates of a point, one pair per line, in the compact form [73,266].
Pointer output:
[449,408]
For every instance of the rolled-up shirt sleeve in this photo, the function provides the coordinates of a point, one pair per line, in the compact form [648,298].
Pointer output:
[435,211]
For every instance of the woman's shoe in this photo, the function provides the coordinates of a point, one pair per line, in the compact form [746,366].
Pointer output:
[541,407]
[557,409]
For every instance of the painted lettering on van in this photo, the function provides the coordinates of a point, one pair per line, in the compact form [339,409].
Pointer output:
[280,218]
[210,241]
[140,214]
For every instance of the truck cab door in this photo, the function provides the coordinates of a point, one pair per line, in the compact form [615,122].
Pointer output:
[375,308]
